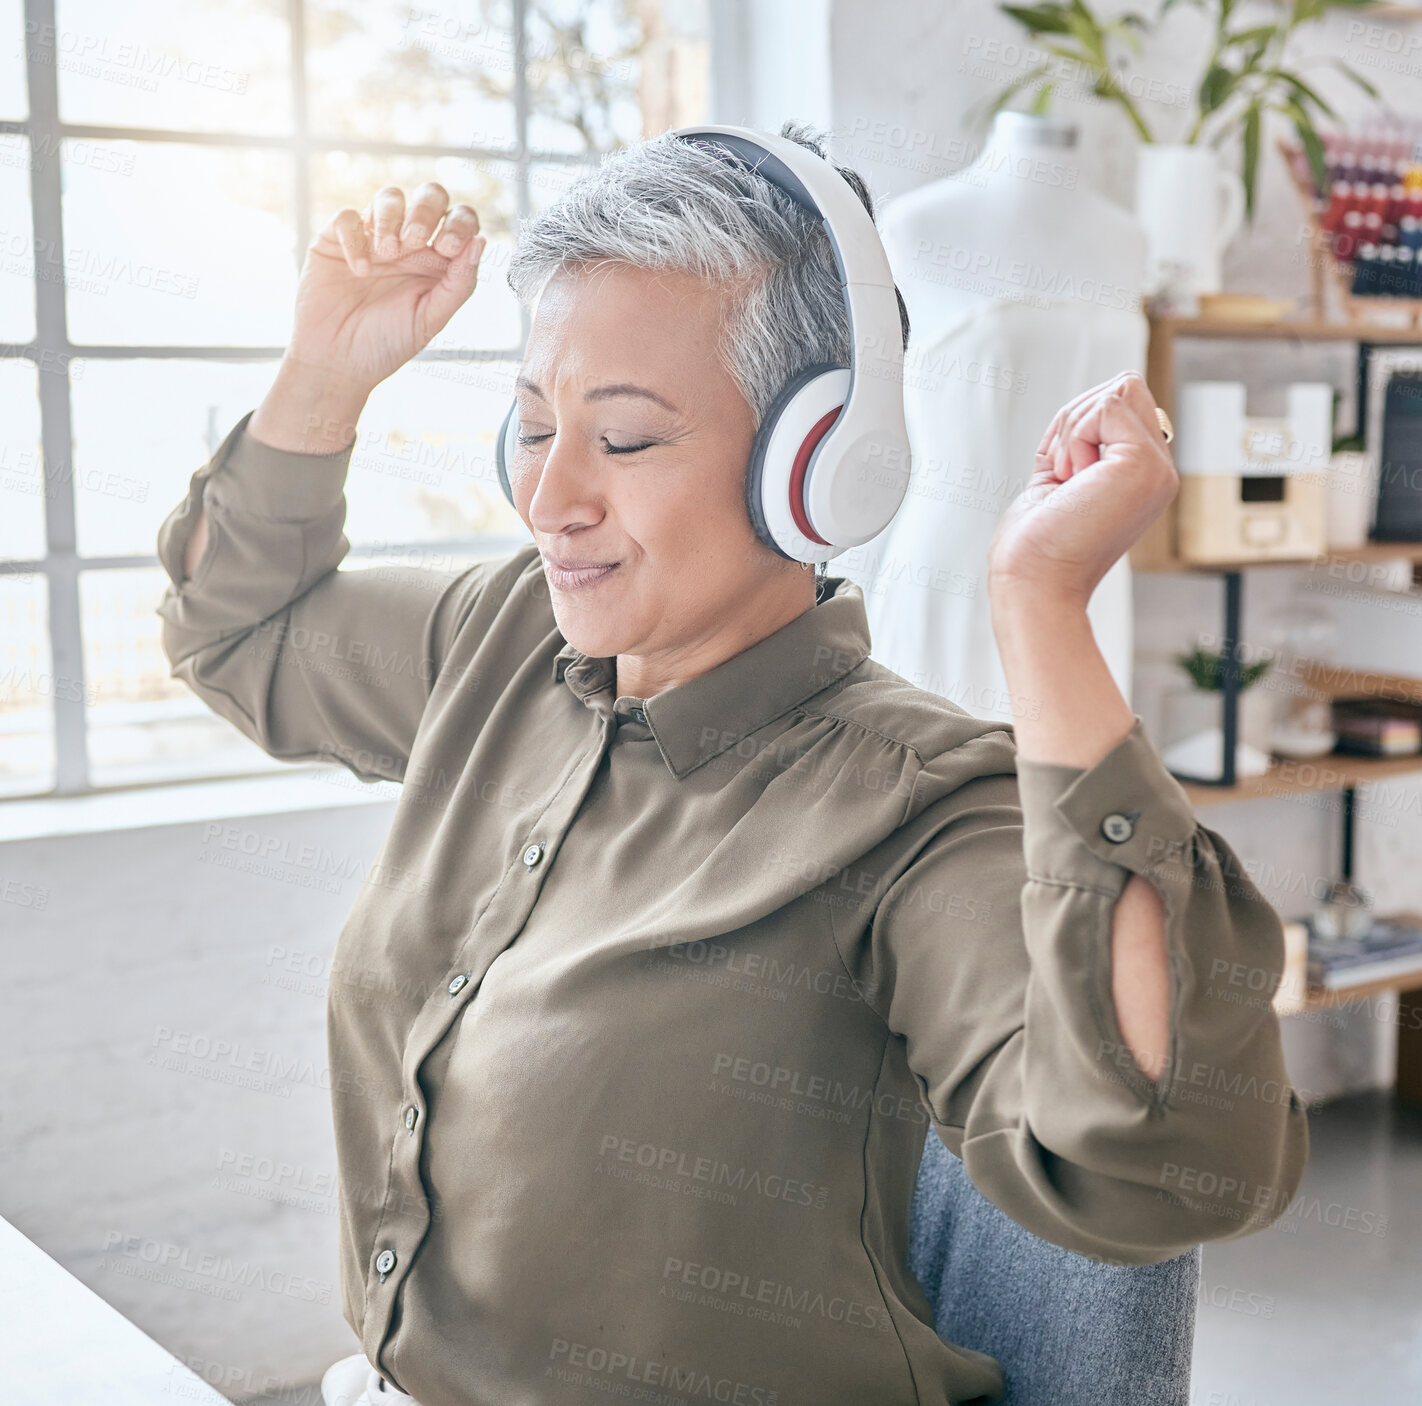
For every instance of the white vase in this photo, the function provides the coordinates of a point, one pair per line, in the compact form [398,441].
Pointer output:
[1352,492]
[1190,207]
[1193,732]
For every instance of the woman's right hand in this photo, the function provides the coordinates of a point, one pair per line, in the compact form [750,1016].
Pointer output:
[374,289]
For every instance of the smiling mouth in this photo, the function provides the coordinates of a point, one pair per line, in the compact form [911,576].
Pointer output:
[577,576]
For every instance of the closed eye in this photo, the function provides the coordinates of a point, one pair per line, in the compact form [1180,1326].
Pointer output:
[609,448]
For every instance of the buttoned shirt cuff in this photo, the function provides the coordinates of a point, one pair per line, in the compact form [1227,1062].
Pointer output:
[278,484]
[1097,825]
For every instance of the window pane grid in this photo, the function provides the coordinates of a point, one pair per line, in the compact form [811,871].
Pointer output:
[102,644]
[124,103]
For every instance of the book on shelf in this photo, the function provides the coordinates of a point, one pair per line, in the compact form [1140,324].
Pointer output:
[1392,947]
[1377,727]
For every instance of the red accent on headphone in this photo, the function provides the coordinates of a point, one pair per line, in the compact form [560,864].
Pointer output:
[797,474]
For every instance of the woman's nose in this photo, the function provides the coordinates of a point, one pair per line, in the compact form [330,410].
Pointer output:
[565,487]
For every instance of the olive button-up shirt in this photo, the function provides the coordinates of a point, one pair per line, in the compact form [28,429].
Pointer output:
[643,1013]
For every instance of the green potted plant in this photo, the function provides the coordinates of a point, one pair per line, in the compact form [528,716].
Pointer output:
[1193,742]
[1190,203]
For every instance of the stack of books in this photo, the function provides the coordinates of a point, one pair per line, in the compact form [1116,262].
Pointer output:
[1377,727]
[1392,947]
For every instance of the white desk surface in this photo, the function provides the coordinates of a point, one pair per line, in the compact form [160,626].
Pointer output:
[64,1346]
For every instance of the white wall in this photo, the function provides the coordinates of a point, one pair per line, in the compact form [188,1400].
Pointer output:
[770,62]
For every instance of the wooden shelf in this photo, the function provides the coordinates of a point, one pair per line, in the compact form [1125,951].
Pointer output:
[1333,772]
[1336,770]
[1322,998]
[1348,681]
[1368,552]
[1303,330]
[1289,1000]
[1154,550]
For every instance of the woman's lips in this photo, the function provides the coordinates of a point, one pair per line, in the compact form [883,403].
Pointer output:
[576,578]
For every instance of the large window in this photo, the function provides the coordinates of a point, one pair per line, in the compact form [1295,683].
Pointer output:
[163,166]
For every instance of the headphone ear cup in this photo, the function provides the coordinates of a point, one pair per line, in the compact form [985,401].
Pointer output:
[504,448]
[799,417]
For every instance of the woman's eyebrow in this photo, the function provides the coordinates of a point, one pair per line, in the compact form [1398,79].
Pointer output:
[603,392]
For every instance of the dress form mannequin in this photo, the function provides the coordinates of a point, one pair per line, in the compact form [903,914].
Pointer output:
[1024,200]
[1023,288]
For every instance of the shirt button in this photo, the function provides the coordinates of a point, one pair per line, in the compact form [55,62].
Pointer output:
[1117,827]
[459,983]
[385,1261]
[411,1114]
[532,855]
[639,715]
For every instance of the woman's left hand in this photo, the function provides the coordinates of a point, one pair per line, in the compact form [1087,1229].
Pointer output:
[1103,474]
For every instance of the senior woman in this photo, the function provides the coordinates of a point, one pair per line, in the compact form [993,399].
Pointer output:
[693,920]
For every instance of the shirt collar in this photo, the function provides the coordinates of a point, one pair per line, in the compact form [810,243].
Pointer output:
[705,716]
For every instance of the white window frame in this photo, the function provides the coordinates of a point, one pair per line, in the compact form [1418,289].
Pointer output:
[52,352]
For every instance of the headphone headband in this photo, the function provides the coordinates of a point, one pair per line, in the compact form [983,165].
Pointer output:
[857,474]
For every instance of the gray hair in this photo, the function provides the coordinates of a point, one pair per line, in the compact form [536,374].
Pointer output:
[665,204]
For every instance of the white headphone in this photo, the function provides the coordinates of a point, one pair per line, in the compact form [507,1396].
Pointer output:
[830,462]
